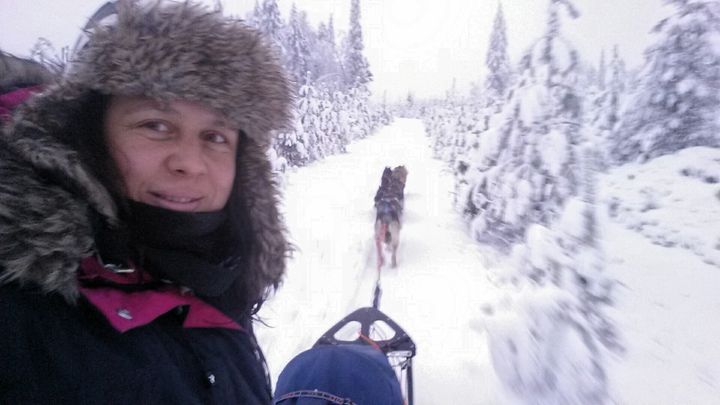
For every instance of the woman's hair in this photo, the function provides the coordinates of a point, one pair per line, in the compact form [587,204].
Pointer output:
[88,139]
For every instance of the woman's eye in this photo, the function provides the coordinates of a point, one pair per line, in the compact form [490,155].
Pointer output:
[157,126]
[219,141]
[216,137]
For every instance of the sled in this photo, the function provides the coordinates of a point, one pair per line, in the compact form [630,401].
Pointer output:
[380,331]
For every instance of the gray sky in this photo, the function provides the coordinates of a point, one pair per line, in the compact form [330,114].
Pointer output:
[412,45]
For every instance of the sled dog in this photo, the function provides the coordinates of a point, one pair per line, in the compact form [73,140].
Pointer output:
[389,205]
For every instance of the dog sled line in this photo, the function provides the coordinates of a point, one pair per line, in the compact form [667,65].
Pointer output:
[366,357]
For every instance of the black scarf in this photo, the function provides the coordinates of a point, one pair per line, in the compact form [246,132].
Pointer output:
[192,249]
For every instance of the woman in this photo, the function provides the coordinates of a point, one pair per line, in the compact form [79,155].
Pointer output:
[139,229]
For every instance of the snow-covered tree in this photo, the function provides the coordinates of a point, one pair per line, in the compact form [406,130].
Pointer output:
[605,109]
[555,351]
[497,61]
[309,115]
[384,115]
[298,46]
[616,88]
[618,74]
[270,23]
[326,64]
[677,104]
[409,104]
[335,137]
[457,126]
[292,146]
[328,33]
[326,122]
[253,17]
[356,66]
[451,94]
[525,169]
[602,71]
[329,113]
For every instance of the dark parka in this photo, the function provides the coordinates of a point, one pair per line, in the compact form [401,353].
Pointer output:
[55,347]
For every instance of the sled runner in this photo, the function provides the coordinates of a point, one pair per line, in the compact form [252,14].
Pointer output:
[366,358]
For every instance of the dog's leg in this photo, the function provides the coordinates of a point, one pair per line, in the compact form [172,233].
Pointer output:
[380,230]
[394,230]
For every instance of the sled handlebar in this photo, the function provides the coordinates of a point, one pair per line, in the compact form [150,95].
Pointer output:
[366,317]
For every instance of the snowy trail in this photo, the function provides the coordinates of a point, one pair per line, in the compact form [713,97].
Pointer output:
[434,293]
[668,308]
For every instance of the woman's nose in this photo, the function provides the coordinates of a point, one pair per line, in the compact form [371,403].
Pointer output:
[187,159]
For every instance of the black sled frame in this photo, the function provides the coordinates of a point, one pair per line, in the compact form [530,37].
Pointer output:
[399,348]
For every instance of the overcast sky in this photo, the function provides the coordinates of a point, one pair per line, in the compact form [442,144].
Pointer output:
[412,45]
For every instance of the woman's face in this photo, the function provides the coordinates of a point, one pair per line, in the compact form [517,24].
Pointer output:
[177,155]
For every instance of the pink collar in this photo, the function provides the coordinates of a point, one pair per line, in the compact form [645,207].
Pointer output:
[127,310]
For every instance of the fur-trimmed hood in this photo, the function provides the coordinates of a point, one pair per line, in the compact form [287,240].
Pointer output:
[165,51]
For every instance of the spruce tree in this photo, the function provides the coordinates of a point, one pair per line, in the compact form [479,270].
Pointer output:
[605,110]
[308,115]
[330,112]
[327,64]
[497,61]
[602,71]
[616,88]
[270,23]
[677,103]
[357,68]
[298,47]
[525,169]
[253,17]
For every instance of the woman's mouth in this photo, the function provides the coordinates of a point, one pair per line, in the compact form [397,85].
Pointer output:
[175,202]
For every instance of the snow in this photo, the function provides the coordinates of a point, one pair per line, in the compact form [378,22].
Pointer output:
[462,303]
[435,291]
[539,369]
[531,105]
[667,312]
[685,85]
[553,149]
[713,40]
[672,200]
[446,292]
[664,246]
[573,217]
